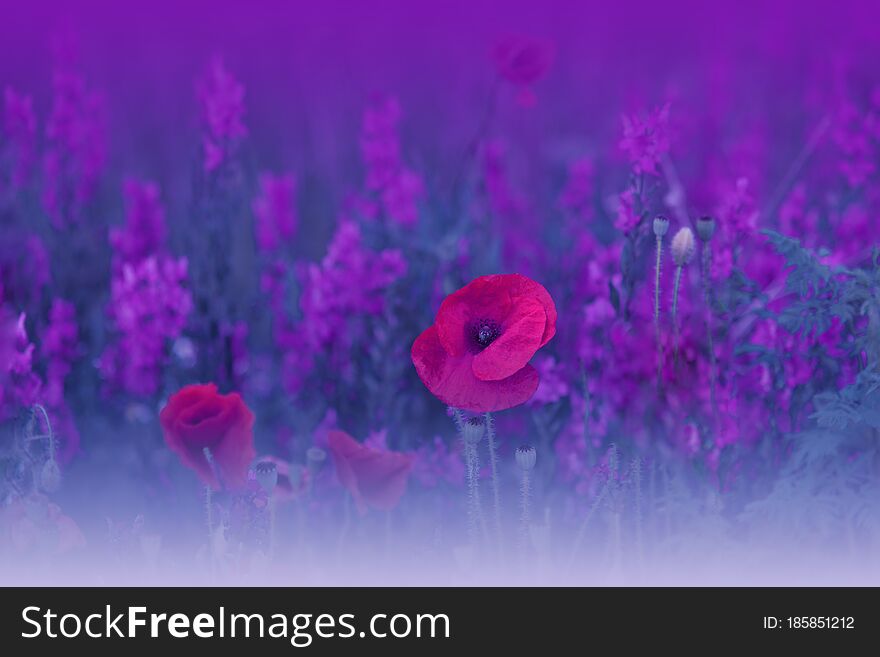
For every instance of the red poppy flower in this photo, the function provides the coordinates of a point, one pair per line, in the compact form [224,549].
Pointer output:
[523,61]
[197,417]
[374,478]
[475,356]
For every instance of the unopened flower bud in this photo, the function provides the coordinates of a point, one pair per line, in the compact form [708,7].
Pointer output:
[267,475]
[683,246]
[526,457]
[50,476]
[705,228]
[472,430]
[661,225]
[315,457]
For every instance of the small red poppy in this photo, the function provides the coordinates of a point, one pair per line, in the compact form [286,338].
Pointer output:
[197,417]
[475,356]
[374,478]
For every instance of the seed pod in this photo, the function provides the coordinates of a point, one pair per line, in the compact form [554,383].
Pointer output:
[705,228]
[473,430]
[661,225]
[526,457]
[267,475]
[683,246]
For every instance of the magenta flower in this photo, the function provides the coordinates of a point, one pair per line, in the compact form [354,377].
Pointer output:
[476,354]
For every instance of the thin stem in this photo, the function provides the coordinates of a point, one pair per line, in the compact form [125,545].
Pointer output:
[637,477]
[496,492]
[472,473]
[475,508]
[706,269]
[524,522]
[657,312]
[675,328]
[209,517]
[272,516]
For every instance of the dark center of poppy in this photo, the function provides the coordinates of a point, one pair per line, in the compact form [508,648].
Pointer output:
[484,332]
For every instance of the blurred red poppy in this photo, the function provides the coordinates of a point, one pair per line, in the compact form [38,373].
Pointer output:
[475,356]
[197,417]
[374,478]
[523,61]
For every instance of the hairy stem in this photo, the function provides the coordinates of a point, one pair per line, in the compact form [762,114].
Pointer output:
[496,492]
[476,520]
[524,521]
[675,328]
[657,312]
[706,269]
[637,481]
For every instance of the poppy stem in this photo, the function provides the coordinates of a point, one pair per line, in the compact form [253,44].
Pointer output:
[637,481]
[526,491]
[706,269]
[675,312]
[657,311]
[272,515]
[472,472]
[209,509]
[209,517]
[496,492]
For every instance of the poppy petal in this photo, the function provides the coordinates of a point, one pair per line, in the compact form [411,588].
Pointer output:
[520,338]
[484,298]
[451,379]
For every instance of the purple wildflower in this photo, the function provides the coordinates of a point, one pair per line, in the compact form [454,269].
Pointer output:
[222,102]
[144,231]
[149,308]
[275,211]
[553,385]
[400,189]
[852,136]
[24,268]
[348,284]
[59,348]
[646,139]
[19,385]
[76,150]
[577,196]
[627,217]
[20,136]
